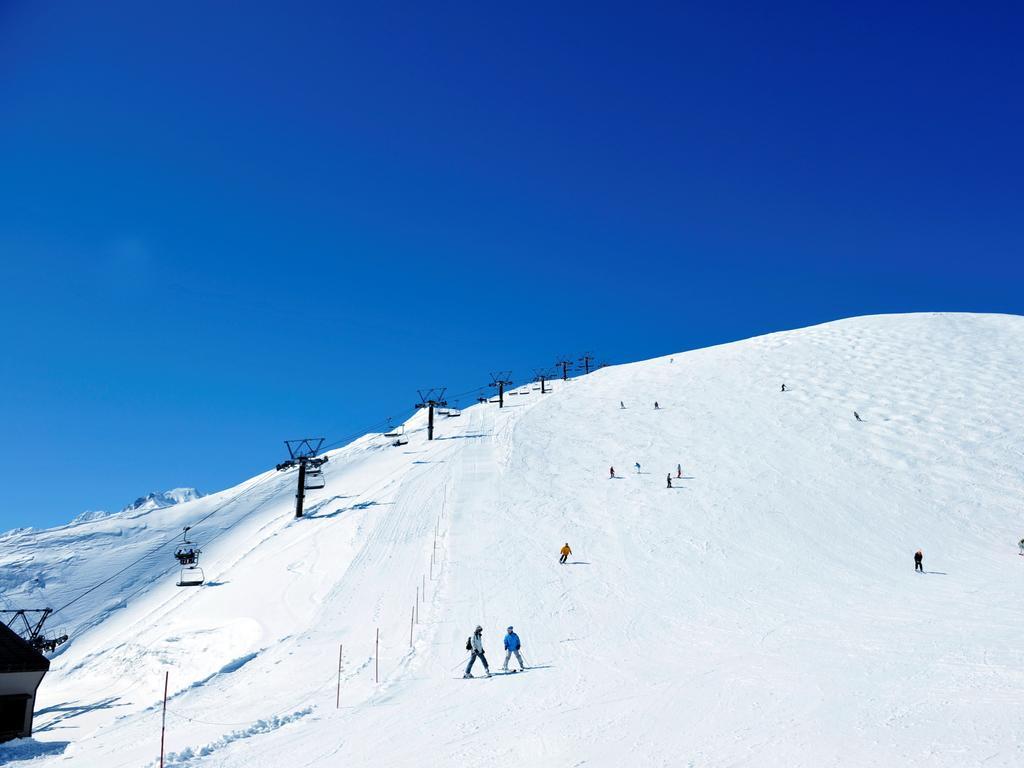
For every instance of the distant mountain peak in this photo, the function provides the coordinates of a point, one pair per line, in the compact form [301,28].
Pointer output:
[161,499]
[154,500]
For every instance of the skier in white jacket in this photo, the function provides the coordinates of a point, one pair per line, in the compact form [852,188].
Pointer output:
[476,647]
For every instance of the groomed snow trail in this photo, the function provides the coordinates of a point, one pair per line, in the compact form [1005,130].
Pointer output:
[763,611]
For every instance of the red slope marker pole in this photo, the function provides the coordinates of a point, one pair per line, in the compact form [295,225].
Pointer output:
[163,721]
[337,703]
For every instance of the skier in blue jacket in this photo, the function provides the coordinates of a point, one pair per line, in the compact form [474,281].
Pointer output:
[512,645]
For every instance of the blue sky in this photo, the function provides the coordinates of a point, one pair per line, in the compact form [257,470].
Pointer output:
[223,225]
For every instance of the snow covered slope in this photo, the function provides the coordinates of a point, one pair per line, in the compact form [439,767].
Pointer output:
[763,611]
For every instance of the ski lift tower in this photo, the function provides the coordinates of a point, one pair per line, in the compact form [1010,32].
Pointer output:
[541,376]
[303,454]
[430,399]
[500,380]
[31,629]
[587,359]
[565,367]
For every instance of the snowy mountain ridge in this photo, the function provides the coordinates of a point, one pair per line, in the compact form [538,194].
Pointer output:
[763,610]
[164,499]
[151,501]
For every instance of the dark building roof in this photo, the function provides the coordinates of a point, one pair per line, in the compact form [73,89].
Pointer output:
[16,655]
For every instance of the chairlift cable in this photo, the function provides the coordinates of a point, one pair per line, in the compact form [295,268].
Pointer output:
[159,547]
[171,568]
[386,422]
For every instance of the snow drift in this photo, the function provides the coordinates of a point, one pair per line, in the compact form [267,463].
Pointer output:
[762,611]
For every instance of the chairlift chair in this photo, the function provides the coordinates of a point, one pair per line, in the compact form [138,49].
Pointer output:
[400,438]
[48,643]
[453,412]
[314,480]
[187,552]
[187,555]
[191,576]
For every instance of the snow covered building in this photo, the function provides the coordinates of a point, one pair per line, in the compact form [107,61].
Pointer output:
[21,670]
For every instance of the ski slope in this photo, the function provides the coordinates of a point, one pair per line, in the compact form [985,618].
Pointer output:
[763,611]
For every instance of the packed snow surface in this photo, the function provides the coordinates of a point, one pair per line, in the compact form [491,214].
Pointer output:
[762,611]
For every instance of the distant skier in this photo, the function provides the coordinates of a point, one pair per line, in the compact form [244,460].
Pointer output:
[621,404]
[668,479]
[512,645]
[857,416]
[656,406]
[475,644]
[611,473]
[679,471]
[783,387]
[918,557]
[1021,545]
[566,551]
[637,465]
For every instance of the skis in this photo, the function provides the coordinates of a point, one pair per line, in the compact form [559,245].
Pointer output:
[493,674]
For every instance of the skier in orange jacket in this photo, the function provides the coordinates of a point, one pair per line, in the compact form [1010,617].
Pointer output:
[565,553]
